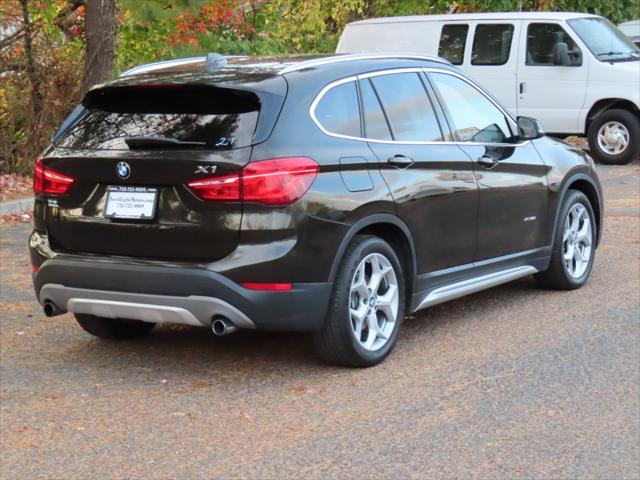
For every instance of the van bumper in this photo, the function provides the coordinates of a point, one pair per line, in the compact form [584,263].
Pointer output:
[168,294]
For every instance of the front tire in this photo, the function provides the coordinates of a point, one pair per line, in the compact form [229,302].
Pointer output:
[574,246]
[367,306]
[113,328]
[614,137]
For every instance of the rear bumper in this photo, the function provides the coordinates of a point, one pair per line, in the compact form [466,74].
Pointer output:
[159,294]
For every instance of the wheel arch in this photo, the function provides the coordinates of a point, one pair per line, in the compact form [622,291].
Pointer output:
[605,104]
[395,232]
[585,184]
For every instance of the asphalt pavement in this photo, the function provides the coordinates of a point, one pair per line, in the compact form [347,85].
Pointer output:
[512,382]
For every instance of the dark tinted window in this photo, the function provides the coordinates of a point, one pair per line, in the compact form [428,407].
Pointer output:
[338,111]
[214,117]
[475,117]
[407,106]
[541,40]
[491,44]
[452,41]
[375,124]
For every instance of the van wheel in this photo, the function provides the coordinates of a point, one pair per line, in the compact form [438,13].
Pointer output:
[614,137]
[367,306]
[113,328]
[574,246]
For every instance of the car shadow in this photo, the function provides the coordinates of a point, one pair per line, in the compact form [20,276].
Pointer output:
[192,354]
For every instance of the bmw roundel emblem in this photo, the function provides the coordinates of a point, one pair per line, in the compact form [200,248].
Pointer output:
[123,170]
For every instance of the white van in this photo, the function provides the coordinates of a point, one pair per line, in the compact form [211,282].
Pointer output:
[576,73]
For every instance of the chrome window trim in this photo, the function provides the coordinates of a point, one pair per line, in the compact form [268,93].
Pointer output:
[354,78]
[360,56]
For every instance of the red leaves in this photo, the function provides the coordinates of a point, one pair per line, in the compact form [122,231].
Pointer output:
[223,16]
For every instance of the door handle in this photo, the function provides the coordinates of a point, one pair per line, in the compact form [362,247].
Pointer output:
[401,161]
[487,161]
[521,88]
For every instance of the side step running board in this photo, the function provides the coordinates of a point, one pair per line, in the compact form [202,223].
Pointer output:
[472,285]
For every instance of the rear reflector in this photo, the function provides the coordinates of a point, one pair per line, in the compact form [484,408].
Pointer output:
[35,268]
[49,182]
[274,287]
[278,181]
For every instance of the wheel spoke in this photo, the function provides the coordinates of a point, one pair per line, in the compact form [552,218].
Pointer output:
[357,327]
[360,285]
[584,234]
[372,330]
[568,254]
[567,229]
[387,303]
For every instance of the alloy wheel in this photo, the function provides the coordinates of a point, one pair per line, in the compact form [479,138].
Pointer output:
[577,240]
[373,301]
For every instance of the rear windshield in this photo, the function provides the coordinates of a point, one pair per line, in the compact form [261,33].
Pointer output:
[193,116]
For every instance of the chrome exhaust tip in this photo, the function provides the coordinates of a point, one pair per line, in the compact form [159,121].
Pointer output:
[222,326]
[50,310]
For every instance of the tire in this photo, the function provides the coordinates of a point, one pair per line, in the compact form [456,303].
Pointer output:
[113,328]
[620,121]
[559,275]
[337,342]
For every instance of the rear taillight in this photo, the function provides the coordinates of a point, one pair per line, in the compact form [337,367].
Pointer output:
[224,188]
[49,182]
[278,181]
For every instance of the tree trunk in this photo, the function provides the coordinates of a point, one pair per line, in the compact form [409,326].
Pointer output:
[100,31]
[36,93]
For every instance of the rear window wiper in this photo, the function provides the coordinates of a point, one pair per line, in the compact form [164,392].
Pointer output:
[160,142]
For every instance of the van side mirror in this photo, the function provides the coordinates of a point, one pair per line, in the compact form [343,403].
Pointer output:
[562,55]
[529,128]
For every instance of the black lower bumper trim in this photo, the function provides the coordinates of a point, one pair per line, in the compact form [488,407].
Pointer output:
[301,309]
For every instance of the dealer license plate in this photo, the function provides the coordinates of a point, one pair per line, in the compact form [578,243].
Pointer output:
[131,202]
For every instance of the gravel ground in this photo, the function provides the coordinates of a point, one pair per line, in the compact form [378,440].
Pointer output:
[513,382]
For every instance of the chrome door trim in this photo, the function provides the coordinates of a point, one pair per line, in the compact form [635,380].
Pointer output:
[472,285]
[354,78]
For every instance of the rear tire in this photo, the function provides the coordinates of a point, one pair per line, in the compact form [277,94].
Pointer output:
[614,137]
[367,306]
[575,239]
[113,328]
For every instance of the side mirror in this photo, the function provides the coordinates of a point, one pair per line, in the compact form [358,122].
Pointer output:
[562,55]
[529,128]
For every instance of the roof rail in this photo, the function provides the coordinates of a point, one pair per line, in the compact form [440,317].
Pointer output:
[360,56]
[150,67]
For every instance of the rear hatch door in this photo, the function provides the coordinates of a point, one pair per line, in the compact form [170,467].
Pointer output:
[131,151]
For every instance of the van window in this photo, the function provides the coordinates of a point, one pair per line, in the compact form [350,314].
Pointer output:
[492,44]
[375,123]
[541,40]
[452,42]
[338,111]
[475,118]
[407,106]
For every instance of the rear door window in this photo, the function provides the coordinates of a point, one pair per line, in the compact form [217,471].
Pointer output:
[492,44]
[541,41]
[452,42]
[203,116]
[338,111]
[407,107]
[375,123]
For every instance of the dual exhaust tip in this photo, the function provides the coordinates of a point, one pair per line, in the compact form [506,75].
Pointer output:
[219,326]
